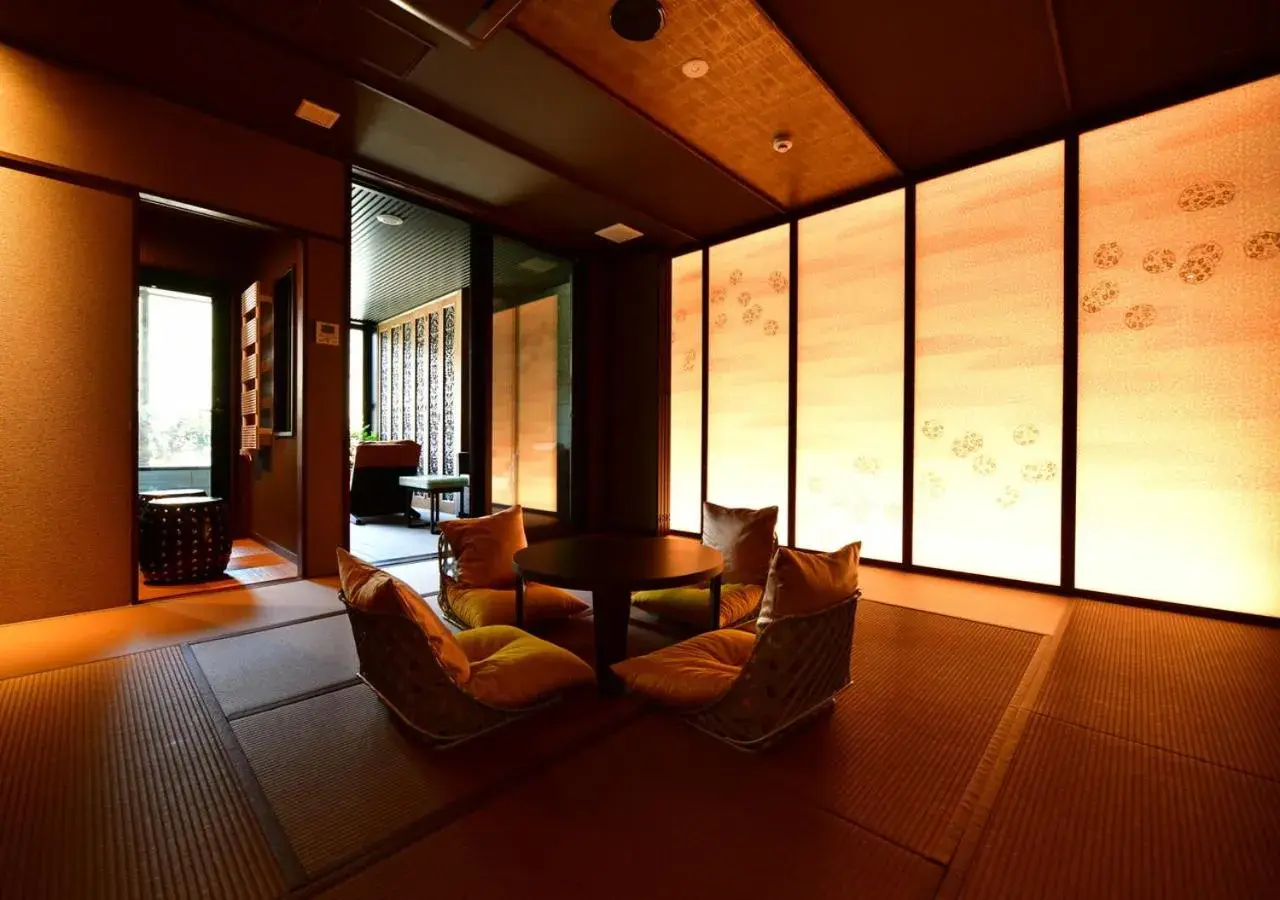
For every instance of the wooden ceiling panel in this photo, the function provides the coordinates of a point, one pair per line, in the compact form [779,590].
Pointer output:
[757,86]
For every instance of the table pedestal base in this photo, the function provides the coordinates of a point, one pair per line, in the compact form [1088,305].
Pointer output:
[612,611]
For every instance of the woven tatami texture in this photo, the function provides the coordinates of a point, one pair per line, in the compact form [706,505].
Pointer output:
[648,813]
[1203,687]
[113,783]
[1088,815]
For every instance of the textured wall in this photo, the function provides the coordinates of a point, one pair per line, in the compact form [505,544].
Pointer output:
[84,124]
[66,396]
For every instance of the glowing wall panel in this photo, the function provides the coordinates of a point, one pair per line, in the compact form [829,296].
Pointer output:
[988,423]
[1179,394]
[849,326]
[503,474]
[536,405]
[685,446]
[747,379]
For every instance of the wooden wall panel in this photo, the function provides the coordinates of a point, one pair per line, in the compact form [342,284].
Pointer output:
[84,124]
[504,408]
[66,397]
[536,405]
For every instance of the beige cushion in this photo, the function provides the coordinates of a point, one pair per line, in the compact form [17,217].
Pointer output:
[484,547]
[691,673]
[493,606]
[692,605]
[746,538]
[801,581]
[511,668]
[372,590]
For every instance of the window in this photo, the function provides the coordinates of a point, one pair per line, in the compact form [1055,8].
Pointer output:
[849,390]
[1178,476]
[989,347]
[685,447]
[748,368]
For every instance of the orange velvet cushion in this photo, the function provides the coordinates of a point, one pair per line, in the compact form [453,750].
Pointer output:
[511,668]
[492,606]
[692,605]
[801,581]
[372,590]
[485,546]
[746,539]
[691,673]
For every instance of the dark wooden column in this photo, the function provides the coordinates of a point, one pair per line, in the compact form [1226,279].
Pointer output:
[477,363]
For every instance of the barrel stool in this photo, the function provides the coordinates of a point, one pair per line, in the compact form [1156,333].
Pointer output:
[184,539]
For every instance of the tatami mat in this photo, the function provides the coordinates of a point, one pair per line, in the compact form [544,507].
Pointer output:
[907,736]
[1204,687]
[253,670]
[113,783]
[343,776]
[1088,815]
[634,817]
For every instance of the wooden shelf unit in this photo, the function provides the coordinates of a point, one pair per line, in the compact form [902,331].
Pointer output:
[256,350]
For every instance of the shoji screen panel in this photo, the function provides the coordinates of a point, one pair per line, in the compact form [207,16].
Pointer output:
[536,405]
[685,446]
[503,475]
[989,350]
[748,372]
[849,332]
[1179,393]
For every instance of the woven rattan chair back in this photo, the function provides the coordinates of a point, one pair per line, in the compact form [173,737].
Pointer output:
[797,666]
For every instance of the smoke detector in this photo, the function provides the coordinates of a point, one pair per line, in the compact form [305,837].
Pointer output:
[782,142]
[316,114]
[695,68]
[619,233]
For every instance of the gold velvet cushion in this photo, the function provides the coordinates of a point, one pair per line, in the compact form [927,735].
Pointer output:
[478,607]
[692,605]
[746,539]
[484,547]
[511,668]
[691,673]
[372,590]
[802,581]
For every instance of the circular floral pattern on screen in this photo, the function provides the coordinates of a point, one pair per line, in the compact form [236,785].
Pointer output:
[984,465]
[1210,250]
[751,313]
[1100,296]
[771,327]
[744,298]
[718,295]
[1205,194]
[1262,245]
[969,442]
[1026,434]
[690,357]
[1107,256]
[932,429]
[735,276]
[1140,316]
[777,281]
[1157,261]
[721,320]
[1008,496]
[867,465]
[1039,472]
[682,314]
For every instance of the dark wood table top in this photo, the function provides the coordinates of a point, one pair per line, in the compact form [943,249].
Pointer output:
[619,561]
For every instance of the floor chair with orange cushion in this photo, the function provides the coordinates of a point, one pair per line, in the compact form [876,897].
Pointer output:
[447,687]
[746,538]
[750,689]
[478,582]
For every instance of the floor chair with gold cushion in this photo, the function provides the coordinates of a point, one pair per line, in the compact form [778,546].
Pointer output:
[750,689]
[478,584]
[746,538]
[447,687]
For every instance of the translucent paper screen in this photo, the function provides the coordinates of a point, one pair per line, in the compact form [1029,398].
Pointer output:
[1179,393]
[503,477]
[849,332]
[748,373]
[685,446]
[988,425]
[536,405]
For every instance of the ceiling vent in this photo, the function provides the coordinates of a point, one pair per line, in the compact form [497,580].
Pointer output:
[619,233]
[470,21]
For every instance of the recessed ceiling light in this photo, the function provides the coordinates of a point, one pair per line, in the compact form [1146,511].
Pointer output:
[389,219]
[782,142]
[637,20]
[695,68]
[316,114]
[619,233]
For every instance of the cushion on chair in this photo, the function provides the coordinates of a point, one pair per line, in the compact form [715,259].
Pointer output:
[801,581]
[691,673]
[746,539]
[485,546]
[493,606]
[511,668]
[691,605]
[370,589]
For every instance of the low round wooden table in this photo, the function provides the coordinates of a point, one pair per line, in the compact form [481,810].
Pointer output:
[611,567]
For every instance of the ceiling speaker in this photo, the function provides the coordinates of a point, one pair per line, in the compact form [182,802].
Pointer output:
[637,20]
